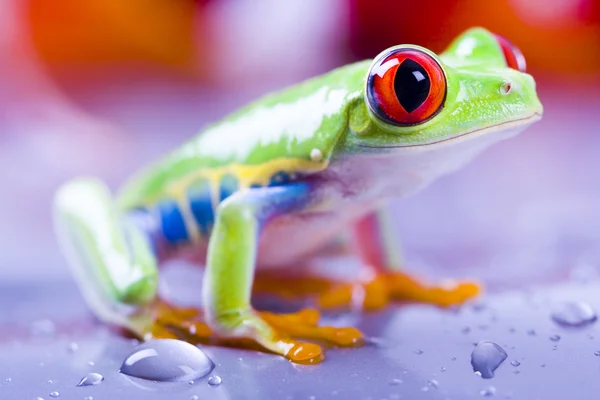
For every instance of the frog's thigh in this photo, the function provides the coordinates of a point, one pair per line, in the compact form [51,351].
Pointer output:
[111,257]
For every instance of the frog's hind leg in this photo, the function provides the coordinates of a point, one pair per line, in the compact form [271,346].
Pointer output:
[111,256]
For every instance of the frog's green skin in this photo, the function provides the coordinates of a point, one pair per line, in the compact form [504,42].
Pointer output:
[314,155]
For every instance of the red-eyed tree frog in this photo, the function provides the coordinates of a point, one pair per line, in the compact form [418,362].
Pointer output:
[275,182]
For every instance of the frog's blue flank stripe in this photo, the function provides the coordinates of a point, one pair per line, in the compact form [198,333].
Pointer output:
[172,223]
[202,209]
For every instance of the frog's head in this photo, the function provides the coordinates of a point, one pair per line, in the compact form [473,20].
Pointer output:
[443,109]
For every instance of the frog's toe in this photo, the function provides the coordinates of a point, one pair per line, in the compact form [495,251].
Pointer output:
[303,324]
[404,287]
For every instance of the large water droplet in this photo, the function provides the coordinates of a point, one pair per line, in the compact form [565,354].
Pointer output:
[215,380]
[91,379]
[54,394]
[573,314]
[486,358]
[167,360]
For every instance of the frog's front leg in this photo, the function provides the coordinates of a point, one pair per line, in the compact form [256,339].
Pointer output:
[111,257]
[374,243]
[229,275]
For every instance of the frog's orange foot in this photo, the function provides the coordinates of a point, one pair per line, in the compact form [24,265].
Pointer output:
[398,286]
[304,324]
[187,324]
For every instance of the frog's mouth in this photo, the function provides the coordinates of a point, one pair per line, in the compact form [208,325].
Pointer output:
[508,126]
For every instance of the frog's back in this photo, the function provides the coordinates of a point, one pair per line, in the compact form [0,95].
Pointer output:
[278,138]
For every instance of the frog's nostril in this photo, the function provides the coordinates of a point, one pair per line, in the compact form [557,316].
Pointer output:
[506,87]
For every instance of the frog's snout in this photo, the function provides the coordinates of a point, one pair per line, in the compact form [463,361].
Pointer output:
[523,87]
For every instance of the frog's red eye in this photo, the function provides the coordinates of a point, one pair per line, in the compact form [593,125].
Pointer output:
[406,87]
[513,56]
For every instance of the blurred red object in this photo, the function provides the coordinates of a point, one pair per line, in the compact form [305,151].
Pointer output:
[556,36]
[94,33]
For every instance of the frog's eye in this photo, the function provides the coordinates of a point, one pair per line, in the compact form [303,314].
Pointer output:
[513,56]
[406,87]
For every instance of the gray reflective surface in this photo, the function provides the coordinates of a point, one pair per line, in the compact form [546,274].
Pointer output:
[524,218]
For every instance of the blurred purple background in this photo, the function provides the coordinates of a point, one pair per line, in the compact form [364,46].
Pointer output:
[103,87]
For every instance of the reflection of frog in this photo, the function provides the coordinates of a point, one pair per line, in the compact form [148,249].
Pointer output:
[277,180]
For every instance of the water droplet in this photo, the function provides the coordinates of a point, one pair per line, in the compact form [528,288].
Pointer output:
[395,382]
[73,347]
[573,314]
[39,398]
[91,379]
[477,373]
[488,391]
[511,330]
[49,381]
[555,338]
[597,353]
[214,380]
[516,372]
[543,365]
[531,332]
[54,394]
[465,330]
[190,383]
[91,363]
[487,357]
[452,358]
[8,379]
[418,351]
[167,360]
[89,398]
[443,369]
[515,363]
[425,389]
[433,383]
[194,397]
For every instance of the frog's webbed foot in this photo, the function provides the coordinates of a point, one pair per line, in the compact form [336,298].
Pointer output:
[372,294]
[257,330]
[398,286]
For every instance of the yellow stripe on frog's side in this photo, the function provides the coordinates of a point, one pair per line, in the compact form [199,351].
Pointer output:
[247,176]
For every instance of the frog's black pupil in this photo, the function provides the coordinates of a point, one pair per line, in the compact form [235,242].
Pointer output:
[411,85]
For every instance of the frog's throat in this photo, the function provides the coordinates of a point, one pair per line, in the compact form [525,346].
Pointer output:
[470,134]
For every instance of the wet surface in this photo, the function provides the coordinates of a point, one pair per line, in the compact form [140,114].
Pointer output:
[523,218]
[410,348]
